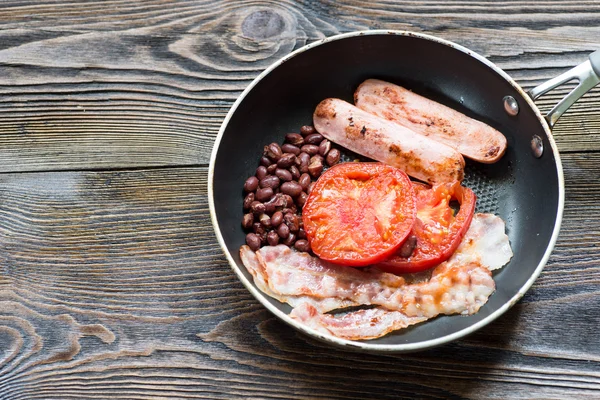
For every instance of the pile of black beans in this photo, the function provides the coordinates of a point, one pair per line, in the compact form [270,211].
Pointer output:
[275,195]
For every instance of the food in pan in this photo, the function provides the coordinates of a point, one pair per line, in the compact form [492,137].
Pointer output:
[357,130]
[359,213]
[438,229]
[275,194]
[311,221]
[470,137]
[315,287]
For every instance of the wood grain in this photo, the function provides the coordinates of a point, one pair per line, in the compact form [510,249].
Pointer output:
[112,284]
[88,85]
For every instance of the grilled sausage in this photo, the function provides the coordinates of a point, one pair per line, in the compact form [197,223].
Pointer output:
[470,137]
[385,141]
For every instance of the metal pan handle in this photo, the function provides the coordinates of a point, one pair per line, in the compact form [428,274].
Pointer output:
[588,75]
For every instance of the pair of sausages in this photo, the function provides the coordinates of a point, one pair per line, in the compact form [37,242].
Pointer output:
[400,128]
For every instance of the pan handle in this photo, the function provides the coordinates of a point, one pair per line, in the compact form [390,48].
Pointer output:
[588,75]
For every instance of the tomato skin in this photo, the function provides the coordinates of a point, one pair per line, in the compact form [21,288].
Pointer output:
[358,214]
[437,230]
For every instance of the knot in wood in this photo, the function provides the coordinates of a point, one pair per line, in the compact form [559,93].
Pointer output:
[263,24]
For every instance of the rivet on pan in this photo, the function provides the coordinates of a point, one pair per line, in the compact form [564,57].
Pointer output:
[510,105]
[537,146]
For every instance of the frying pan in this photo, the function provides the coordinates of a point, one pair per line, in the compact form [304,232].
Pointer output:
[525,187]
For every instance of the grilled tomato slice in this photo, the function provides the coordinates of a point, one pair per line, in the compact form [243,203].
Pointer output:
[438,229]
[359,214]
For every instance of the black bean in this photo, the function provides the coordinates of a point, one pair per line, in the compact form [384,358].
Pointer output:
[270,208]
[261,172]
[272,238]
[310,149]
[292,188]
[247,221]
[251,184]
[294,139]
[290,148]
[310,187]
[289,240]
[271,169]
[273,151]
[253,241]
[276,219]
[315,168]
[408,246]
[304,181]
[301,233]
[257,207]
[248,200]
[269,181]
[324,147]
[307,130]
[302,245]
[264,194]
[314,138]
[295,172]
[264,161]
[283,231]
[258,228]
[286,160]
[279,200]
[291,220]
[301,200]
[283,174]
[263,238]
[333,157]
[303,161]
[265,220]
[289,202]
[291,210]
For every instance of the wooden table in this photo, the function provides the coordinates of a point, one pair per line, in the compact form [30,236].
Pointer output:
[112,285]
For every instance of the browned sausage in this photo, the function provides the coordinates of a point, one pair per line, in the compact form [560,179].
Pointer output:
[470,137]
[385,141]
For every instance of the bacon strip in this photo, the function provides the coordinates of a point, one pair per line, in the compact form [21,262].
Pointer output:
[356,325]
[293,273]
[453,288]
[256,268]
[313,287]
[485,242]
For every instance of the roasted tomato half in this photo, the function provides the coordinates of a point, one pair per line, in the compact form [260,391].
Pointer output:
[438,229]
[359,213]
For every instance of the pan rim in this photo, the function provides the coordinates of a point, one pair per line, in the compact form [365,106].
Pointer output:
[365,345]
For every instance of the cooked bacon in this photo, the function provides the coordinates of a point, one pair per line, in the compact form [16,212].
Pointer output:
[312,286]
[257,269]
[451,289]
[485,242]
[355,325]
[250,261]
[470,137]
[293,273]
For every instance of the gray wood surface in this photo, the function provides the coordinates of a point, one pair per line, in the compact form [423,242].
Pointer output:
[112,284]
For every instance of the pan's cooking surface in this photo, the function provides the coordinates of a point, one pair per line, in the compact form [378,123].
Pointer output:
[523,190]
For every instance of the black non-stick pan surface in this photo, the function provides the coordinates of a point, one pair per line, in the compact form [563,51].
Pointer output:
[527,192]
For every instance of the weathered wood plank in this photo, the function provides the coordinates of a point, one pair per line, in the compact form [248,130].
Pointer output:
[126,84]
[113,285]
